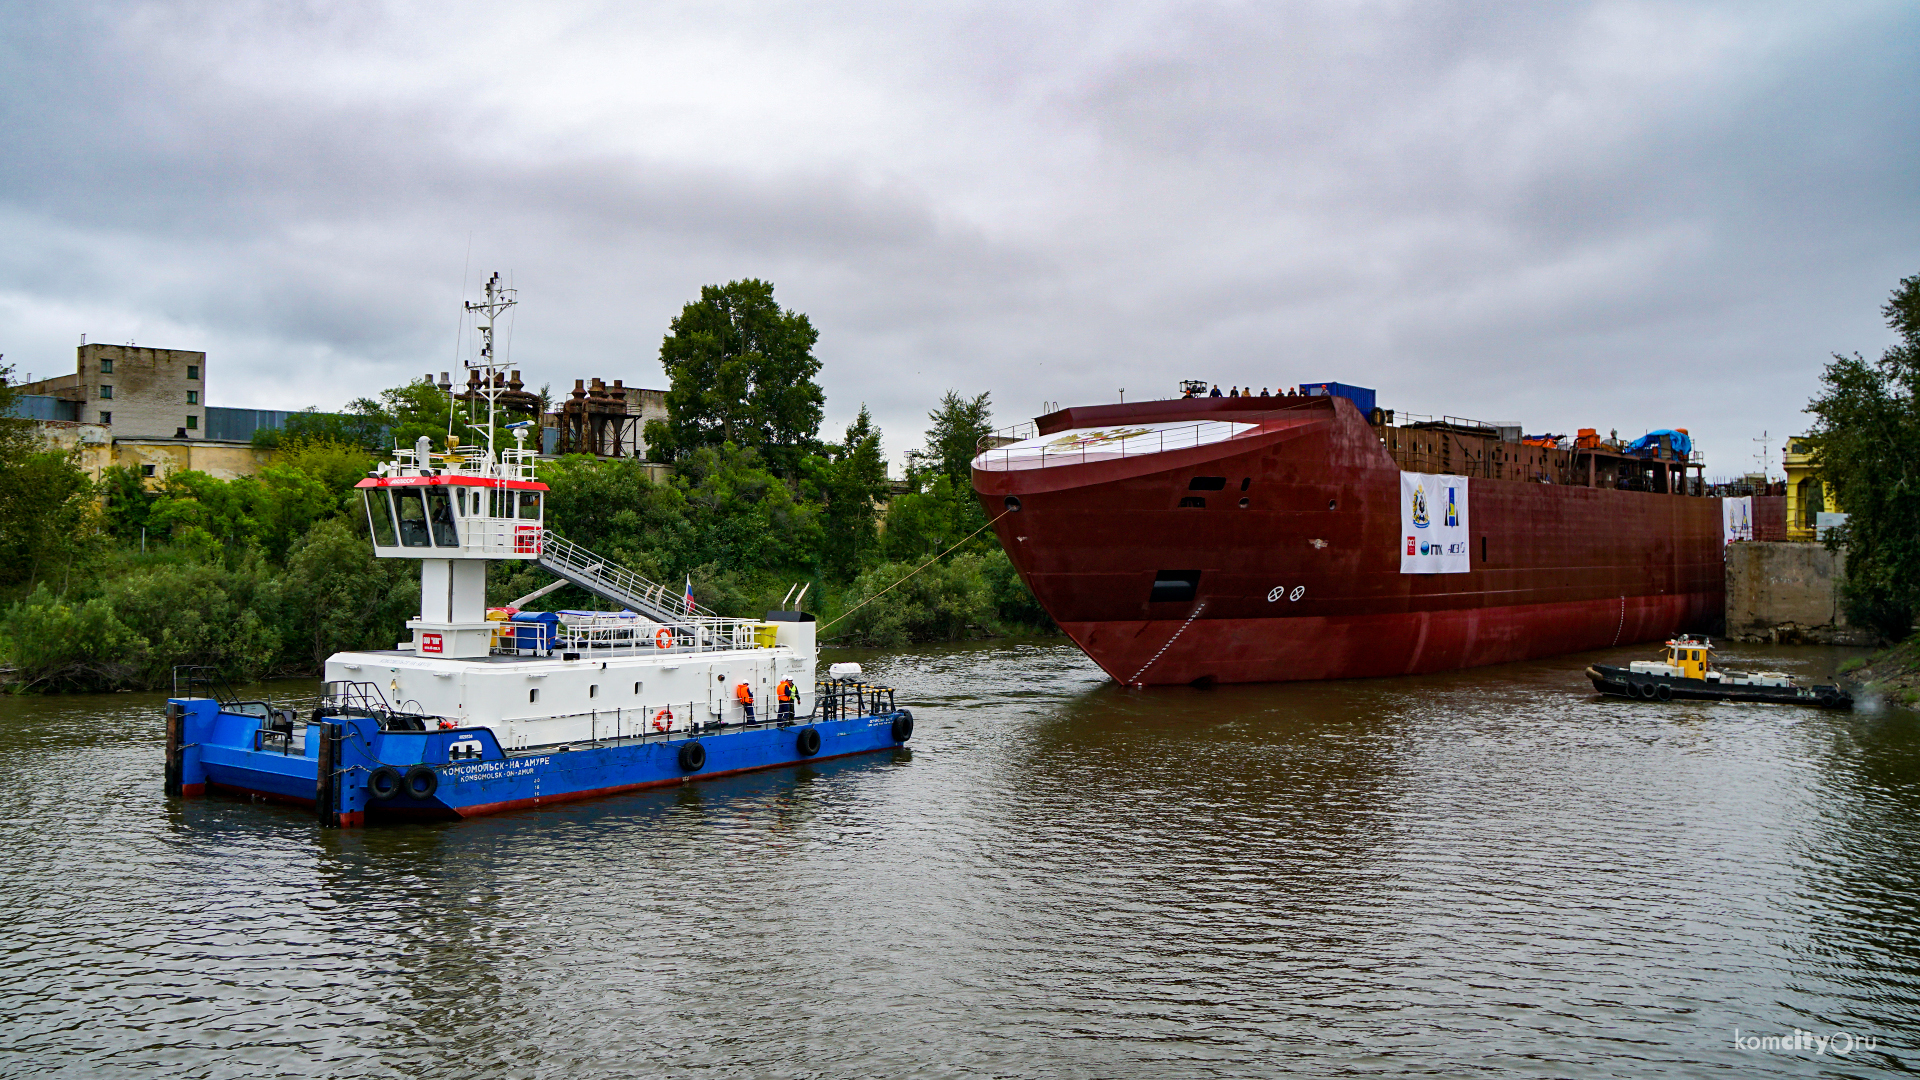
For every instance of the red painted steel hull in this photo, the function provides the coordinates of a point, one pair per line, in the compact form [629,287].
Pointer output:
[1556,569]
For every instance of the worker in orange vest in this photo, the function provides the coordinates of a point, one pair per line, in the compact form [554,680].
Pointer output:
[745,694]
[785,691]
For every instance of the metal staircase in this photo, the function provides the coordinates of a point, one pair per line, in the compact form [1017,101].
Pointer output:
[577,565]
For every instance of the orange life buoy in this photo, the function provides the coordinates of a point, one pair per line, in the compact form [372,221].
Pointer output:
[664,638]
[663,720]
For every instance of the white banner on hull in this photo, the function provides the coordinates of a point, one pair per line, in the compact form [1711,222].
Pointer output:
[1737,514]
[1433,524]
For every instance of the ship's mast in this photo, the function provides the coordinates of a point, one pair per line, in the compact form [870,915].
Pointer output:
[489,365]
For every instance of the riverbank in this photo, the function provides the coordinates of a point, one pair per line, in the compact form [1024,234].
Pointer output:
[1893,674]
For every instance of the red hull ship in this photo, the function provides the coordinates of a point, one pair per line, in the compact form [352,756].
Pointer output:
[1266,540]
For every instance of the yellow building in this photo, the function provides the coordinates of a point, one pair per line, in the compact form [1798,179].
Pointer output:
[1806,495]
[155,458]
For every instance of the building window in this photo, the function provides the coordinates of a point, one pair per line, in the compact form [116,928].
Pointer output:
[193,397]
[146,470]
[193,423]
[106,393]
[106,367]
[106,418]
[193,371]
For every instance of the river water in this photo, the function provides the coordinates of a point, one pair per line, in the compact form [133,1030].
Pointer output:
[1488,873]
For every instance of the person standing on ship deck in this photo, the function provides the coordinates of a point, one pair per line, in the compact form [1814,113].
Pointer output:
[745,694]
[785,692]
[1216,390]
[1263,392]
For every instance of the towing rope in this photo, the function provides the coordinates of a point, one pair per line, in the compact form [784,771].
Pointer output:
[916,570]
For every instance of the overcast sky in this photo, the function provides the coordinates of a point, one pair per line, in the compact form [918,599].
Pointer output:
[1610,215]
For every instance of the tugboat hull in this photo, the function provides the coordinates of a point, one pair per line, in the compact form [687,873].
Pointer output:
[1620,682]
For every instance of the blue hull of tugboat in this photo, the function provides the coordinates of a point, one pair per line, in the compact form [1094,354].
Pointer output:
[471,775]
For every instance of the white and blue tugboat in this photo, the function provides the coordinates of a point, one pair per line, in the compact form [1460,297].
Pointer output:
[484,711]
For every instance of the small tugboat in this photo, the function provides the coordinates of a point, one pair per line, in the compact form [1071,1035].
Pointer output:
[490,710]
[1688,673]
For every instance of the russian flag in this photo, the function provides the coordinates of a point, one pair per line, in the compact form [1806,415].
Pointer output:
[689,594]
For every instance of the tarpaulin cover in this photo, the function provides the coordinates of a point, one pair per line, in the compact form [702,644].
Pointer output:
[1679,440]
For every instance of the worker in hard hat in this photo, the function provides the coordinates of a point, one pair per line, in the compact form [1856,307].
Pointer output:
[745,694]
[786,694]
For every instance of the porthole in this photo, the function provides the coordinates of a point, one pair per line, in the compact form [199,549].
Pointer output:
[1333,504]
[533,696]
[1012,504]
[636,689]
[1244,503]
[593,690]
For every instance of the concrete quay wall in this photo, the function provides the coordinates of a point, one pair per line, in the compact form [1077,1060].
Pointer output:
[1788,593]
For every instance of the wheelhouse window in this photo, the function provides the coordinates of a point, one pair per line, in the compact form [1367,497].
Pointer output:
[530,506]
[380,517]
[440,515]
[410,507]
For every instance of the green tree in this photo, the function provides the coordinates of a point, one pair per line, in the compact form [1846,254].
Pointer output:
[48,518]
[1866,439]
[337,596]
[740,370]
[124,503]
[958,426]
[853,478]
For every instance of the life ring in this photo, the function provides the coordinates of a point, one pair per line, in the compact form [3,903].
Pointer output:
[420,782]
[1663,691]
[663,638]
[383,783]
[808,742]
[663,720]
[693,756]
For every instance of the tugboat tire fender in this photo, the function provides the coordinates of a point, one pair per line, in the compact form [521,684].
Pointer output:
[902,726]
[693,756]
[808,741]
[384,783]
[421,782]
[1663,691]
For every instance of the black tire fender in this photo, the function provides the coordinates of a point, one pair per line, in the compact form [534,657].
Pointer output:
[902,726]
[421,782]
[1663,691]
[807,742]
[384,783]
[693,756]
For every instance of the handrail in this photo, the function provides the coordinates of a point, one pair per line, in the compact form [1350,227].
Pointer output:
[1145,439]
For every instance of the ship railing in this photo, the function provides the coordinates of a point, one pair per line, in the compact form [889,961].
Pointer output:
[466,461]
[616,583]
[642,722]
[1110,443]
[841,699]
[617,634]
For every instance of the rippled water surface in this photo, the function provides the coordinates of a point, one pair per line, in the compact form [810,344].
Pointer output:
[1490,873]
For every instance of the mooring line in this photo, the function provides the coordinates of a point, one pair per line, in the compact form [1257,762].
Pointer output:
[1623,621]
[1163,649]
[916,570]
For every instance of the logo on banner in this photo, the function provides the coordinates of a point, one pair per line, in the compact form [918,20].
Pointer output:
[1420,519]
[1453,509]
[1409,545]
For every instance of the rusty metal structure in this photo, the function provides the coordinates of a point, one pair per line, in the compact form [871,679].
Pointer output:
[594,419]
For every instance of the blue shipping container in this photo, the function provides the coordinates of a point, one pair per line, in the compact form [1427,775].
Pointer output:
[1359,395]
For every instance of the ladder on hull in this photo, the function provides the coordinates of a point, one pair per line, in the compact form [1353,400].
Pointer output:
[616,584]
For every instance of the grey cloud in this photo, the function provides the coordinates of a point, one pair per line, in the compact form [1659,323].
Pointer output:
[1608,215]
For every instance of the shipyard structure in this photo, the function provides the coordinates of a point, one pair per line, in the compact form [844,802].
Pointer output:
[1317,536]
